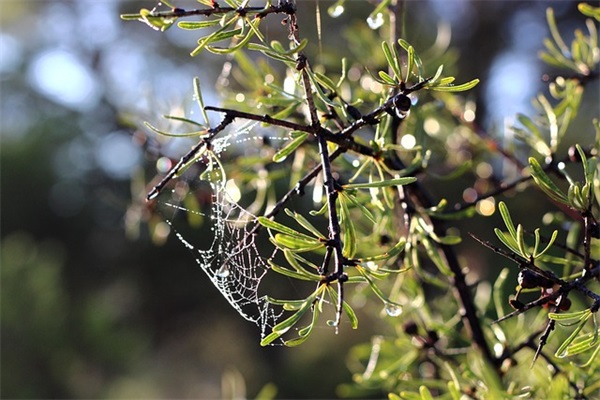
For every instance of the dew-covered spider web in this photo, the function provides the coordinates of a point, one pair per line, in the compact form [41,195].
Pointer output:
[225,244]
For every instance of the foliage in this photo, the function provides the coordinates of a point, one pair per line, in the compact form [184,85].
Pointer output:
[363,151]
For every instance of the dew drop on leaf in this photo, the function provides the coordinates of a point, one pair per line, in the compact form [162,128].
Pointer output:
[393,310]
[376,22]
[336,11]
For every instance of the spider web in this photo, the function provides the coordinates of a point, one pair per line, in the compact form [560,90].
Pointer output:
[229,256]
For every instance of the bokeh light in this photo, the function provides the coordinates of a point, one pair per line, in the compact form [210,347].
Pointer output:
[63,77]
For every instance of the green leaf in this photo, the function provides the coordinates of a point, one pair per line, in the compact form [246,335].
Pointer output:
[199,99]
[394,251]
[530,125]
[296,243]
[304,333]
[410,396]
[326,82]
[446,81]
[434,255]
[507,240]
[270,53]
[545,183]
[293,259]
[296,49]
[276,226]
[183,119]
[130,17]
[410,63]
[305,223]
[365,274]
[404,44]
[582,343]
[268,392]
[386,78]
[521,242]
[365,211]
[552,121]
[454,88]
[349,249]
[253,25]
[425,393]
[550,60]
[156,22]
[345,306]
[391,60]
[571,316]
[554,31]
[437,74]
[454,391]
[561,59]
[290,147]
[281,328]
[270,338]
[505,214]
[320,94]
[193,25]
[344,72]
[589,11]
[562,351]
[288,305]
[390,182]
[499,294]
[537,243]
[292,274]
[550,243]
[227,50]
[200,134]
[218,35]
[449,240]
[285,325]
[418,63]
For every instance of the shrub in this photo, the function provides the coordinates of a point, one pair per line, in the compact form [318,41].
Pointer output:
[333,174]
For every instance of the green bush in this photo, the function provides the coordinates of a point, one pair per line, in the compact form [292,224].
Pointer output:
[379,140]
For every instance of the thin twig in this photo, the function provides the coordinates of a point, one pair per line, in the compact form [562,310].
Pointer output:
[189,156]
[342,138]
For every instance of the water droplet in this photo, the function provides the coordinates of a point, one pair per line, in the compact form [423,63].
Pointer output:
[336,11]
[376,22]
[393,310]
[223,272]
[334,324]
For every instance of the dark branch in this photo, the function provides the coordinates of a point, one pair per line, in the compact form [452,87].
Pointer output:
[260,12]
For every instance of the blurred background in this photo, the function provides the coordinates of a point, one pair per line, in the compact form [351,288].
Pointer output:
[92,305]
